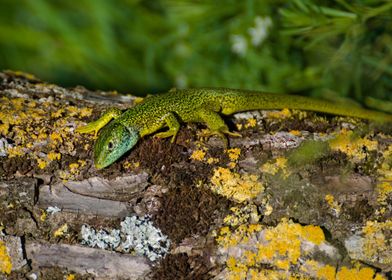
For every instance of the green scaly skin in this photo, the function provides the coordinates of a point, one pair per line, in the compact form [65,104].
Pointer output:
[196,105]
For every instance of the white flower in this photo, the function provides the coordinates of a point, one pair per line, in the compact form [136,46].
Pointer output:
[239,44]
[259,32]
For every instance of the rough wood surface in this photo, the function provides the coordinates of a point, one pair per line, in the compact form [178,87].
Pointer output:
[94,196]
[98,263]
[299,194]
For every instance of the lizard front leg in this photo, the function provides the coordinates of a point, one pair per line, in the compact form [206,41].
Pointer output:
[107,116]
[173,124]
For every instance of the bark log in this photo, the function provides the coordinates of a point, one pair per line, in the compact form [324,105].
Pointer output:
[299,194]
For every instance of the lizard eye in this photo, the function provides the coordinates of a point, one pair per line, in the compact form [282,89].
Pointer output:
[110,145]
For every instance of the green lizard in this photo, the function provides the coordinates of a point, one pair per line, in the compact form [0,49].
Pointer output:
[195,105]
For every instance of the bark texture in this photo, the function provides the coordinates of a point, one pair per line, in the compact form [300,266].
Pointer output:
[299,194]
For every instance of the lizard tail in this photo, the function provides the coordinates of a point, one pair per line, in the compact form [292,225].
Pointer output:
[234,101]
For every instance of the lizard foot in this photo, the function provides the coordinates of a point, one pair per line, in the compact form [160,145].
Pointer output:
[220,133]
[166,134]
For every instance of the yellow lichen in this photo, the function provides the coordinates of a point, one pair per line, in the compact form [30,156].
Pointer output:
[384,189]
[295,132]
[313,234]
[130,165]
[54,156]
[41,163]
[279,165]
[279,247]
[22,74]
[329,198]
[234,153]
[43,216]
[61,231]
[355,147]
[283,114]
[74,168]
[242,215]
[267,274]
[212,160]
[375,244]
[73,111]
[56,137]
[198,155]
[268,209]
[5,259]
[58,113]
[316,269]
[40,125]
[127,165]
[85,112]
[326,272]
[70,277]
[235,186]
[4,128]
[354,273]
[15,151]
[384,185]
[240,235]
[251,123]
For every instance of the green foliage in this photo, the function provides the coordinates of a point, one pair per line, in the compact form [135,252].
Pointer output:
[326,48]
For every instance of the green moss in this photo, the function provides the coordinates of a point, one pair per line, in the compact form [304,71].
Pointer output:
[308,152]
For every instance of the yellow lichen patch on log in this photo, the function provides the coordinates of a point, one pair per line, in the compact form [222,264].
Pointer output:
[40,125]
[278,246]
[376,245]
[278,165]
[384,185]
[281,252]
[234,153]
[251,123]
[283,114]
[333,204]
[235,186]
[61,231]
[5,260]
[241,215]
[354,273]
[355,147]
[198,155]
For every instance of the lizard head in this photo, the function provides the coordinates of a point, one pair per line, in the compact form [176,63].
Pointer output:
[113,141]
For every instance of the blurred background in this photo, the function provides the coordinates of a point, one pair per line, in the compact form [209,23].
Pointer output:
[331,49]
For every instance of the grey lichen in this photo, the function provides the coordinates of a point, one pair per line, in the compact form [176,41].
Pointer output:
[144,238]
[4,146]
[101,239]
[137,234]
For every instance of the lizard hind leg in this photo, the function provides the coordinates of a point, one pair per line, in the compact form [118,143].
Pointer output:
[216,125]
[95,126]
